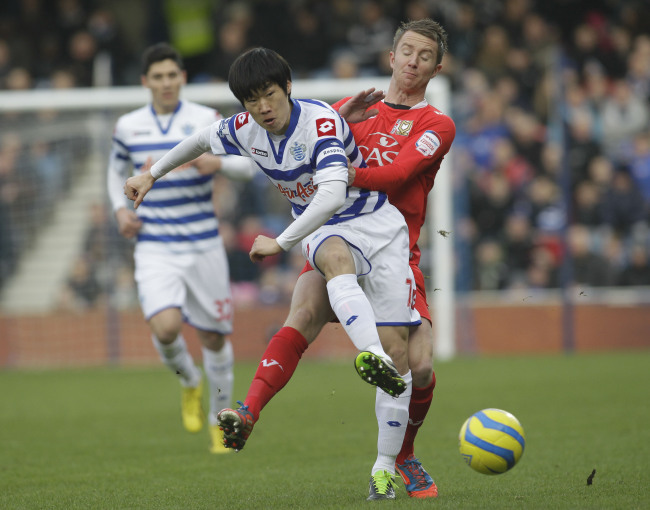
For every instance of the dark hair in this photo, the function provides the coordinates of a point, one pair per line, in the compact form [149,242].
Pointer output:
[158,53]
[428,28]
[255,70]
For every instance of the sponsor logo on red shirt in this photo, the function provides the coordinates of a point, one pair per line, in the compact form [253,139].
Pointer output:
[428,143]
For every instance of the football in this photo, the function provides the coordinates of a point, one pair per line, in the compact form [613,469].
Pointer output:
[491,441]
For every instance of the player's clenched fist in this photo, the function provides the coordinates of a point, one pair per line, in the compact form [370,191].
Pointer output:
[263,247]
[137,187]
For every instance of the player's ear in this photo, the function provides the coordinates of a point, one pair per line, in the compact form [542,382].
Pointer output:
[289,88]
[143,80]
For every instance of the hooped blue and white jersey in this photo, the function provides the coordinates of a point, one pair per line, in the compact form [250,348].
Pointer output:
[177,214]
[315,149]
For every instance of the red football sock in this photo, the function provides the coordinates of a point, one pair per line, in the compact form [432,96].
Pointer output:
[279,361]
[418,409]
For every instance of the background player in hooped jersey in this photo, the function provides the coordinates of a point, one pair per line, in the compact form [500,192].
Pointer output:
[404,140]
[303,147]
[181,267]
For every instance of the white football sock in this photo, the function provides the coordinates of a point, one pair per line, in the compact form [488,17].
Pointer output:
[217,366]
[354,311]
[392,419]
[176,356]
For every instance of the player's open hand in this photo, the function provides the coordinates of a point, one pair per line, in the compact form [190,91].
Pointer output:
[264,247]
[137,187]
[356,109]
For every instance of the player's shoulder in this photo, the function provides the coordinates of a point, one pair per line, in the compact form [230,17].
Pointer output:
[341,102]
[135,118]
[318,120]
[316,108]
[241,122]
[197,107]
[199,110]
[437,117]
[135,115]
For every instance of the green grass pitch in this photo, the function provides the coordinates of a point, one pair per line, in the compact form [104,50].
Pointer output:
[111,438]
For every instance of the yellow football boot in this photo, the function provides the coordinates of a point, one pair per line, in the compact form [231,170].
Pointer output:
[191,409]
[216,437]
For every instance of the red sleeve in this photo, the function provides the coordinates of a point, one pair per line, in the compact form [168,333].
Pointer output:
[408,163]
[340,102]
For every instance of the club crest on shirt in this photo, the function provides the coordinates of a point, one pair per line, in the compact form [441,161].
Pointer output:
[325,127]
[402,127]
[428,143]
[223,127]
[298,151]
[241,119]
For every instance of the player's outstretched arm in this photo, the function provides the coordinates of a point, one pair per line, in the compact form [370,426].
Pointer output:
[189,149]
[356,109]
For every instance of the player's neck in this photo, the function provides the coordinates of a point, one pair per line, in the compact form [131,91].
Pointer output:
[402,97]
[164,109]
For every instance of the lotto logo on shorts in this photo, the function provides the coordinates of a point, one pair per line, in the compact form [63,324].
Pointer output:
[241,120]
[325,127]
[428,143]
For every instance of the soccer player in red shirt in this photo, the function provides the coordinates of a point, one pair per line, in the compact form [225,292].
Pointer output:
[404,144]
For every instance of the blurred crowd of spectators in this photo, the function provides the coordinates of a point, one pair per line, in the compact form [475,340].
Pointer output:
[550,98]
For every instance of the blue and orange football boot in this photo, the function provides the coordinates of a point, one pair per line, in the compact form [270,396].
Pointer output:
[417,481]
[237,425]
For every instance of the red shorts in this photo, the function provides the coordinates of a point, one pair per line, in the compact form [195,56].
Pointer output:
[421,304]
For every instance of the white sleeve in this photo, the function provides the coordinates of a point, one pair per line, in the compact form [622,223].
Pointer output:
[187,150]
[240,168]
[329,197]
[115,182]
[118,170]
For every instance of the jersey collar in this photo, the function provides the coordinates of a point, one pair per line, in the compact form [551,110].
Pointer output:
[421,104]
[165,130]
[293,122]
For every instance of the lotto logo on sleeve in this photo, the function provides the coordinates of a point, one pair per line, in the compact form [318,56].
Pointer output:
[241,120]
[325,127]
[428,143]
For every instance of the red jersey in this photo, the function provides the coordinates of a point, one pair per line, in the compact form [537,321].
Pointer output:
[404,149]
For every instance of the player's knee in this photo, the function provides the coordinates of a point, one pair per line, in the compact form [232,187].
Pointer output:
[211,340]
[165,331]
[422,373]
[166,325]
[306,320]
[335,260]
[398,354]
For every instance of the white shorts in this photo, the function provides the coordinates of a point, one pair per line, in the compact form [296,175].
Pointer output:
[379,243]
[197,283]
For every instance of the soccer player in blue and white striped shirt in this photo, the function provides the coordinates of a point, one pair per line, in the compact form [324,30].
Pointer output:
[355,238]
[181,267]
